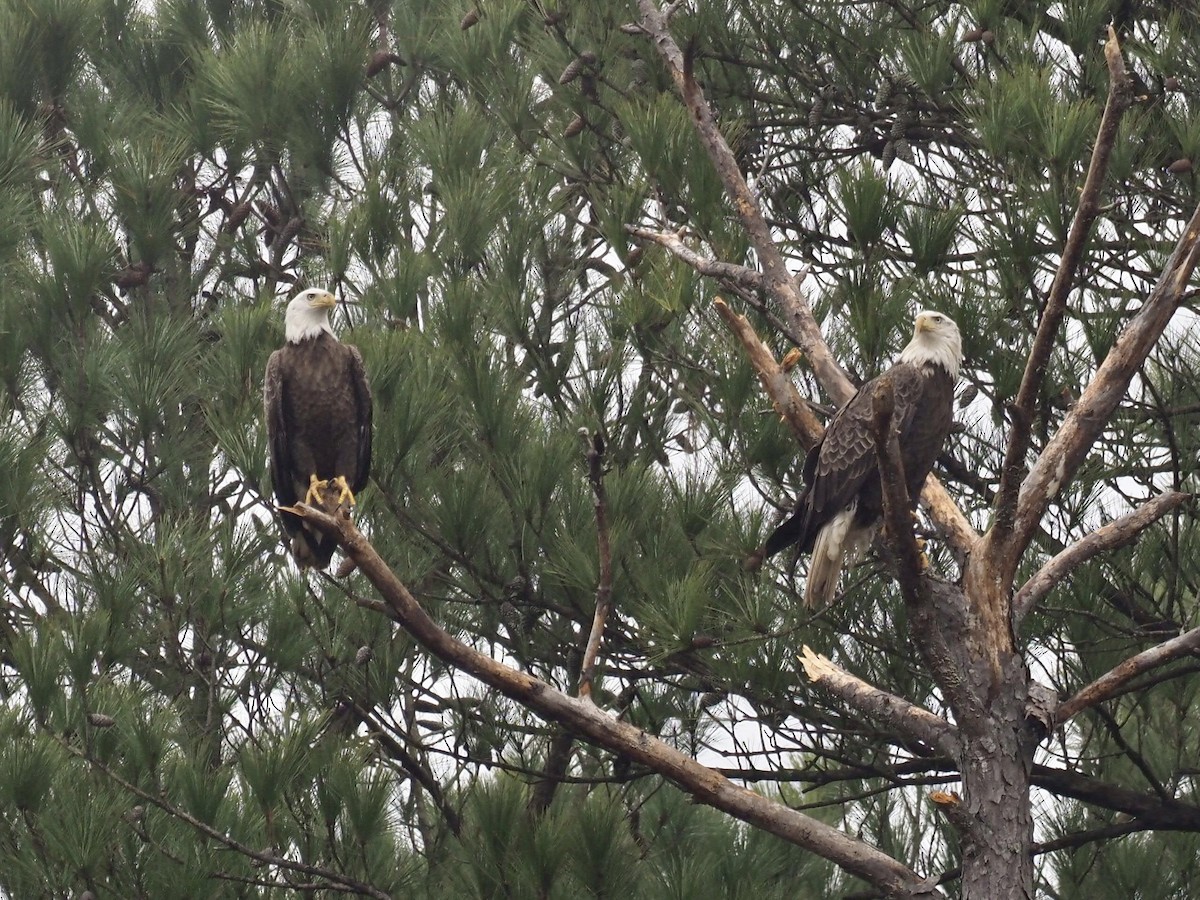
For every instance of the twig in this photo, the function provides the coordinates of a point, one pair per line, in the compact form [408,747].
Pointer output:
[267,858]
[595,463]
[1120,94]
[589,722]
[1115,534]
[912,721]
[1113,680]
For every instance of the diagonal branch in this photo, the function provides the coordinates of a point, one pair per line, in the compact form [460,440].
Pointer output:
[1062,456]
[589,722]
[1115,534]
[913,722]
[806,427]
[1113,680]
[1120,94]
[777,281]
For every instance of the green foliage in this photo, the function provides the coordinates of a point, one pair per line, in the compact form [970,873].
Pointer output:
[170,684]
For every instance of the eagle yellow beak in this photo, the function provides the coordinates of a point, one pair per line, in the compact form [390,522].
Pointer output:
[922,324]
[323,300]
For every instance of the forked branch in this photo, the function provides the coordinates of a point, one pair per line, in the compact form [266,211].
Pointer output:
[777,281]
[1062,456]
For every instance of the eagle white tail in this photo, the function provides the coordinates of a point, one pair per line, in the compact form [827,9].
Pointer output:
[838,544]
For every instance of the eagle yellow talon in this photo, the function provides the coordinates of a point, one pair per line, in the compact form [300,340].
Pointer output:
[345,495]
[315,486]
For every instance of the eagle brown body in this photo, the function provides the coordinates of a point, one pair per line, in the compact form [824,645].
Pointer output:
[318,409]
[837,514]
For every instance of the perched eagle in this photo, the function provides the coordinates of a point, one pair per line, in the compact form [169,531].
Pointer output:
[318,409]
[839,510]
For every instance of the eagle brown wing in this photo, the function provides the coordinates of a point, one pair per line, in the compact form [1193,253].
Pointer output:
[274,404]
[363,413]
[842,468]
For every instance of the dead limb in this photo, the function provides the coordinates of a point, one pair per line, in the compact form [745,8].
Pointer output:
[1062,456]
[712,268]
[591,723]
[906,719]
[1115,534]
[1120,95]
[1116,678]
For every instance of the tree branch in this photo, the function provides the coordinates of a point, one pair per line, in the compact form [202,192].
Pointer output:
[776,279]
[1068,448]
[1120,94]
[1154,812]
[595,463]
[806,427]
[1115,534]
[897,506]
[913,722]
[1113,680]
[598,727]
[712,268]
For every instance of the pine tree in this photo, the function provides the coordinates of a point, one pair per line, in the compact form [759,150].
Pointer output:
[537,206]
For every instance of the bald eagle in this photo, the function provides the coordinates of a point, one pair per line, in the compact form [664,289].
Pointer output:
[318,409]
[837,514]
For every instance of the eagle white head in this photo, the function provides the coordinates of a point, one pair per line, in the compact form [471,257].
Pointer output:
[308,315]
[935,341]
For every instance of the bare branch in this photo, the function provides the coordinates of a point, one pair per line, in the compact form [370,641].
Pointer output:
[777,281]
[1058,462]
[897,506]
[712,268]
[586,720]
[913,722]
[1115,534]
[787,401]
[1120,94]
[595,463]
[1113,680]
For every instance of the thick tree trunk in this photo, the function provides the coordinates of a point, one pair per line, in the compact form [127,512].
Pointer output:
[995,763]
[964,636]
[997,745]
